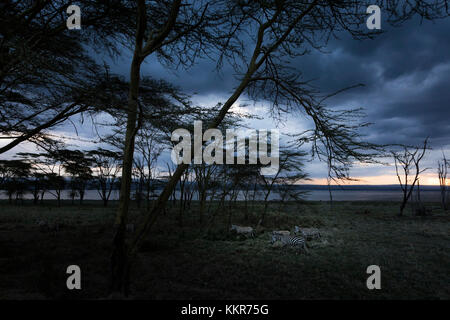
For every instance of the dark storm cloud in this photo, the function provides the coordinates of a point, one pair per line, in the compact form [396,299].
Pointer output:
[406,73]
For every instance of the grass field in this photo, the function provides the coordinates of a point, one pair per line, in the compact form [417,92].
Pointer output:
[196,262]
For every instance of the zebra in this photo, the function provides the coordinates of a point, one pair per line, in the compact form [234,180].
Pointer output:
[307,233]
[291,241]
[282,232]
[243,230]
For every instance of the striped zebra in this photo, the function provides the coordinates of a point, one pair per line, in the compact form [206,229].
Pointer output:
[247,231]
[291,241]
[307,233]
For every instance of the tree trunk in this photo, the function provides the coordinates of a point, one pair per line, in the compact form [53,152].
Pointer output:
[119,259]
[266,204]
[81,196]
[202,205]
[120,264]
[418,191]
[402,207]
[182,203]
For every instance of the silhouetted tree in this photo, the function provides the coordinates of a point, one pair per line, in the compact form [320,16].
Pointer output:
[51,164]
[106,169]
[46,73]
[443,166]
[173,31]
[78,166]
[14,177]
[409,161]
[187,190]
[148,150]
[290,171]
[39,185]
[203,180]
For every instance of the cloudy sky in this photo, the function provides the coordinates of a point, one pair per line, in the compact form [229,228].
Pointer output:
[406,73]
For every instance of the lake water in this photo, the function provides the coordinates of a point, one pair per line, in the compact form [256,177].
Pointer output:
[313,195]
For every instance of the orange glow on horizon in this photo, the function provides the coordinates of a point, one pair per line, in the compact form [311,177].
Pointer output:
[426,179]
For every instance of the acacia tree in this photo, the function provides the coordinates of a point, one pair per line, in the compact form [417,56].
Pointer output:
[106,168]
[78,166]
[5,171]
[187,190]
[290,171]
[248,184]
[46,73]
[148,148]
[182,24]
[13,177]
[39,185]
[409,161]
[275,31]
[227,177]
[203,174]
[51,165]
[443,166]
[233,181]
[47,169]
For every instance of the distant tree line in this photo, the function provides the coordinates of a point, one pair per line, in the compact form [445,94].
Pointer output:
[62,170]
[56,171]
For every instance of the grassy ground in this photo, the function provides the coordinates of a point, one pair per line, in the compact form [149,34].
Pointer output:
[195,262]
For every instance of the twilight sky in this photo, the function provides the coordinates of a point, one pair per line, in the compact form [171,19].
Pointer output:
[406,73]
